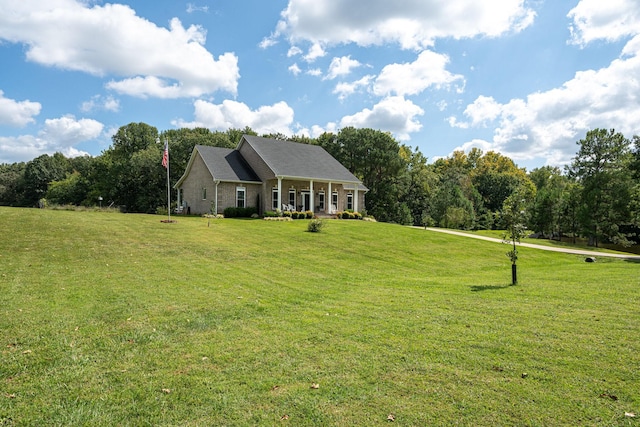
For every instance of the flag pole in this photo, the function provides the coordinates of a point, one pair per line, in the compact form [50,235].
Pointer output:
[166,149]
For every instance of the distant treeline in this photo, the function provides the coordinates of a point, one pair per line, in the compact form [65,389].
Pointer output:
[597,196]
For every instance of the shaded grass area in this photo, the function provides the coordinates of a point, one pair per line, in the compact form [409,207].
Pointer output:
[118,319]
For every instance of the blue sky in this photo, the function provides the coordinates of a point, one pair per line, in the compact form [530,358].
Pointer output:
[525,78]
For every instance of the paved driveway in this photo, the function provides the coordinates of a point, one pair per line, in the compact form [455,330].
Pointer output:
[542,247]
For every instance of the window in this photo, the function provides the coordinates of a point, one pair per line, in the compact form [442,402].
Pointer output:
[204,193]
[334,200]
[321,201]
[350,201]
[274,200]
[292,197]
[241,197]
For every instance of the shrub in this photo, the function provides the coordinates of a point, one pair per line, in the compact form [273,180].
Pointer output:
[270,214]
[309,214]
[161,210]
[288,214]
[315,225]
[232,212]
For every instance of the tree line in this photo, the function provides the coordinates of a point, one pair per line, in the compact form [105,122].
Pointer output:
[597,196]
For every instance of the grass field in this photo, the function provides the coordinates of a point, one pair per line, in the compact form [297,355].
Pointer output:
[119,319]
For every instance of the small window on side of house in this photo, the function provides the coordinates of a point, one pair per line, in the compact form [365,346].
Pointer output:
[350,201]
[241,197]
[204,193]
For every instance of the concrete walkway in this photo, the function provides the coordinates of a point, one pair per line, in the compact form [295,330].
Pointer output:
[542,247]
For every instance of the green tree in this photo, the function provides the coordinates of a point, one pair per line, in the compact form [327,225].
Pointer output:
[12,184]
[514,217]
[39,172]
[601,166]
[546,207]
[71,190]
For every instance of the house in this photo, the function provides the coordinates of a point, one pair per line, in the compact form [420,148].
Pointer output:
[270,175]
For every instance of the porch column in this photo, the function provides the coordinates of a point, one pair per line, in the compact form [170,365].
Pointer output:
[355,199]
[279,193]
[328,200]
[312,207]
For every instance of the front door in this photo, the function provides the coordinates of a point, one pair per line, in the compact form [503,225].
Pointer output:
[306,201]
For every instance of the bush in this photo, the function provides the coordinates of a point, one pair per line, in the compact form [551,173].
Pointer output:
[288,214]
[270,214]
[315,225]
[232,212]
[309,214]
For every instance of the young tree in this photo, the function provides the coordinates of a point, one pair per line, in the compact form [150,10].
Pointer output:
[514,217]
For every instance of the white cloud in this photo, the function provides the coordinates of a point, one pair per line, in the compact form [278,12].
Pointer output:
[293,51]
[315,72]
[393,114]
[17,113]
[412,78]
[413,24]
[295,70]
[67,131]
[315,51]
[193,8]
[57,135]
[344,89]
[112,39]
[98,102]
[609,20]
[547,124]
[341,67]
[232,114]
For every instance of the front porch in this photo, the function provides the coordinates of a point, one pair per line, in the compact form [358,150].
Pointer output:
[321,198]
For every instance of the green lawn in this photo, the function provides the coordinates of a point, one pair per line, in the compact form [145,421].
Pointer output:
[119,319]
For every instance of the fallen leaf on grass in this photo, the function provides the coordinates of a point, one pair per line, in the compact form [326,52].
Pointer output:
[11,396]
[629,414]
[275,387]
[26,352]
[391,417]
[284,417]
[498,368]
[315,386]
[166,390]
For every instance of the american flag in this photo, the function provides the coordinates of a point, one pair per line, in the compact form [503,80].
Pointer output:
[165,155]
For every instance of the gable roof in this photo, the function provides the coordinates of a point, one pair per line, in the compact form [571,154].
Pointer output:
[224,164]
[296,160]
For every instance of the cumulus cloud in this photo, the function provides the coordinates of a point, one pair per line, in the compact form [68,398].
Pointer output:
[413,24]
[344,89]
[276,118]
[429,69]
[111,39]
[599,20]
[547,124]
[394,114]
[341,67]
[17,113]
[57,135]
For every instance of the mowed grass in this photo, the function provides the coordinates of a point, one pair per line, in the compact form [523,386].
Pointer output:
[119,319]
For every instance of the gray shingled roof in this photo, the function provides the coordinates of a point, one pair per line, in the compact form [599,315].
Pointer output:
[295,160]
[226,164]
